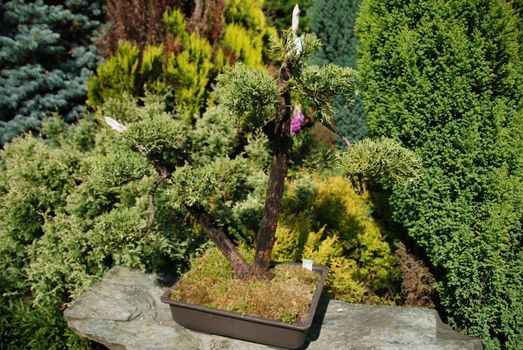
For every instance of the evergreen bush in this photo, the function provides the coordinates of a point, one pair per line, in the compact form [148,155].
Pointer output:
[187,59]
[326,221]
[66,217]
[258,103]
[134,21]
[445,78]
[333,22]
[46,53]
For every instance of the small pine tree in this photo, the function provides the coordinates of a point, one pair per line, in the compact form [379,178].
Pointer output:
[258,103]
[46,55]
[333,22]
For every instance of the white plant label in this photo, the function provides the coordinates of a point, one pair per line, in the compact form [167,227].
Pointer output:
[307,264]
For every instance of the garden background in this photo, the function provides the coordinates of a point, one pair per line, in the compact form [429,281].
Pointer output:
[444,78]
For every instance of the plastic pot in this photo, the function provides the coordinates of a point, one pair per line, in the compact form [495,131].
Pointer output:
[250,328]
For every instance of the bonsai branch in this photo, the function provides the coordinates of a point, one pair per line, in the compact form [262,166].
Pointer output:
[337,133]
[240,267]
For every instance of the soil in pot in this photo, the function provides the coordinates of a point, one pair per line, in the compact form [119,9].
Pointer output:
[285,296]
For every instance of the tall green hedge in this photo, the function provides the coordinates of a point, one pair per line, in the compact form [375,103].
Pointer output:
[46,54]
[445,78]
[333,22]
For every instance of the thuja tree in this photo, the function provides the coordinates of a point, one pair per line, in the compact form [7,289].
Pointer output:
[259,103]
[333,22]
[445,78]
[46,55]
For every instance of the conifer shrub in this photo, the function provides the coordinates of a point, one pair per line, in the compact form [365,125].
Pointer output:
[143,25]
[445,78]
[67,216]
[246,33]
[333,22]
[257,103]
[47,52]
[325,220]
[183,64]
[137,21]
[182,75]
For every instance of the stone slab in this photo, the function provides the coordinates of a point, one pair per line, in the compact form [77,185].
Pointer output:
[124,311]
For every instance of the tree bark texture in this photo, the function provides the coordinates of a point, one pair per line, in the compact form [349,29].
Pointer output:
[239,266]
[281,145]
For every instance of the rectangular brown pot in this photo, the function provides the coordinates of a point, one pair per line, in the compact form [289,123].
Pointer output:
[250,328]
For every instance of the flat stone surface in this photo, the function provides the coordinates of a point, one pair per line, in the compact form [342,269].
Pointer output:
[124,311]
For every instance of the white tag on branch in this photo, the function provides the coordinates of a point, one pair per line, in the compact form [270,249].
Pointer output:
[307,264]
[115,125]
[295,20]
[298,44]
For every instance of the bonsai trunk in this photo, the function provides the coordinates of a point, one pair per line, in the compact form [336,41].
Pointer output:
[281,145]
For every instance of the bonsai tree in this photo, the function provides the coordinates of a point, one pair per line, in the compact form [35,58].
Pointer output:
[259,102]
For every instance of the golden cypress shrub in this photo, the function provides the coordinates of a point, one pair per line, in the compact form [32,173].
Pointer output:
[152,67]
[242,44]
[326,221]
[188,70]
[184,65]
[117,75]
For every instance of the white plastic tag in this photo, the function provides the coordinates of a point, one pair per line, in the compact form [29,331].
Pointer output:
[307,264]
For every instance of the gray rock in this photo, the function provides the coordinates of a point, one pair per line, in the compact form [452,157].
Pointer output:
[123,311]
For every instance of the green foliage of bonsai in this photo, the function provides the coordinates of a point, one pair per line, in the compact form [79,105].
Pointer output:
[258,103]
[258,91]
[445,79]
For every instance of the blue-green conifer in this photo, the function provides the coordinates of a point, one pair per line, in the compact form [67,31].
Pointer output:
[46,54]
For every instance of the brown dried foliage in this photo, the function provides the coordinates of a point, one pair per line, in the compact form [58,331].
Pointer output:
[140,21]
[418,285]
[136,21]
[207,19]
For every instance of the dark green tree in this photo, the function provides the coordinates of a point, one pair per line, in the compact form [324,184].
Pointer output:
[445,78]
[333,22]
[46,55]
